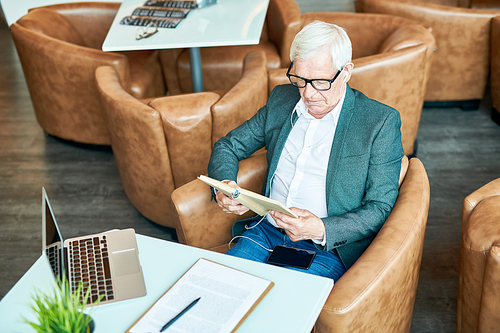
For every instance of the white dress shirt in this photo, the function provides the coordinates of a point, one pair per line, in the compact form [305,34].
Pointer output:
[300,178]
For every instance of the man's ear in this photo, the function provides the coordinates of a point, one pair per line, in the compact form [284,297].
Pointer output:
[347,71]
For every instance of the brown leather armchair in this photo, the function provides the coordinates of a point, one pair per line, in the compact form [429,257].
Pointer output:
[60,47]
[221,66]
[495,69]
[162,143]
[479,275]
[460,66]
[377,293]
[392,58]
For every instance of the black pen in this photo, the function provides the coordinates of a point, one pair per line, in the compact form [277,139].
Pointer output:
[171,321]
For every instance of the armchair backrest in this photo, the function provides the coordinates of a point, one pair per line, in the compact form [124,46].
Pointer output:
[457,31]
[495,66]
[367,31]
[154,148]
[139,147]
[452,3]
[187,124]
[479,282]
[52,24]
[244,99]
[283,21]
[92,20]
[62,63]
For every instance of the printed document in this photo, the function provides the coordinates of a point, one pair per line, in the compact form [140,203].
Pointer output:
[226,295]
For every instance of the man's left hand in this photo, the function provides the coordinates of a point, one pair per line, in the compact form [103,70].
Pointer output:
[306,226]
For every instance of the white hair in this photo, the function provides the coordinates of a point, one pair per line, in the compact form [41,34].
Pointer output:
[317,34]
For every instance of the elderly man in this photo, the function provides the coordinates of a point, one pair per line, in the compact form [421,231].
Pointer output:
[333,156]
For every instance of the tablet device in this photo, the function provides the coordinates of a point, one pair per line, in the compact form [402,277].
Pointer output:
[289,256]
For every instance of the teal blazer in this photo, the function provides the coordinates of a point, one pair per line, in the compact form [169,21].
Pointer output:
[363,169]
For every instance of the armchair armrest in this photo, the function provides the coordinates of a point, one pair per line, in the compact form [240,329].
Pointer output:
[477,304]
[472,200]
[387,273]
[489,318]
[194,206]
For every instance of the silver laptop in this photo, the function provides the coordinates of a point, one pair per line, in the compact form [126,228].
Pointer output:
[107,263]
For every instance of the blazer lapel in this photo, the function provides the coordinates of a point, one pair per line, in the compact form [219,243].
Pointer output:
[338,140]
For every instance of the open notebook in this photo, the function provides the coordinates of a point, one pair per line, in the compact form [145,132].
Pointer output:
[254,201]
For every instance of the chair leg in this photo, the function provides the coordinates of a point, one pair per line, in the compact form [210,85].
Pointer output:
[468,105]
[415,148]
[495,116]
[471,105]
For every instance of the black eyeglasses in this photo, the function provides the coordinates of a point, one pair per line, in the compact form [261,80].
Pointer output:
[318,84]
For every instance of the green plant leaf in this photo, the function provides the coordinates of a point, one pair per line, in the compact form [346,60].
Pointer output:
[61,311]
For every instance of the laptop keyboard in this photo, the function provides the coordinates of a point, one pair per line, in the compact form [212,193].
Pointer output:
[53,255]
[89,264]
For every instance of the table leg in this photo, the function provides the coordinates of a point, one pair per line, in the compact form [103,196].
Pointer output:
[196,74]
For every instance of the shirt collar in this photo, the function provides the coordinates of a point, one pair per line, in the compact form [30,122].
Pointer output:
[301,109]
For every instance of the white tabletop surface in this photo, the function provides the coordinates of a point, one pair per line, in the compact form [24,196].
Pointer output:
[292,305]
[229,22]
[15,9]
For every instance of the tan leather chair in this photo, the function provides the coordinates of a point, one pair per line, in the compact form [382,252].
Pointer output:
[479,275]
[60,47]
[221,66]
[162,143]
[460,66]
[392,58]
[377,293]
[495,69]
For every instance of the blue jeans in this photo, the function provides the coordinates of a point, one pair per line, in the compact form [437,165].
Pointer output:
[325,263]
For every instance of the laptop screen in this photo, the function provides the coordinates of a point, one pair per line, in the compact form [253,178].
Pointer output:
[51,236]
[51,232]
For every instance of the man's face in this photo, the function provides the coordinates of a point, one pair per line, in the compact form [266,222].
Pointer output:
[320,103]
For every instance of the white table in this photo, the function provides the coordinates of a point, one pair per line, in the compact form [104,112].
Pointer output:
[15,9]
[292,305]
[229,22]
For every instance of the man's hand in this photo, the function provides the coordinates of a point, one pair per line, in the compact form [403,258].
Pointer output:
[229,205]
[307,226]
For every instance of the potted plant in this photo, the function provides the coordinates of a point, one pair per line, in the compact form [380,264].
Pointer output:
[61,311]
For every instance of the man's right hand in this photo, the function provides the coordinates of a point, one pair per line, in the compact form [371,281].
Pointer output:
[229,205]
